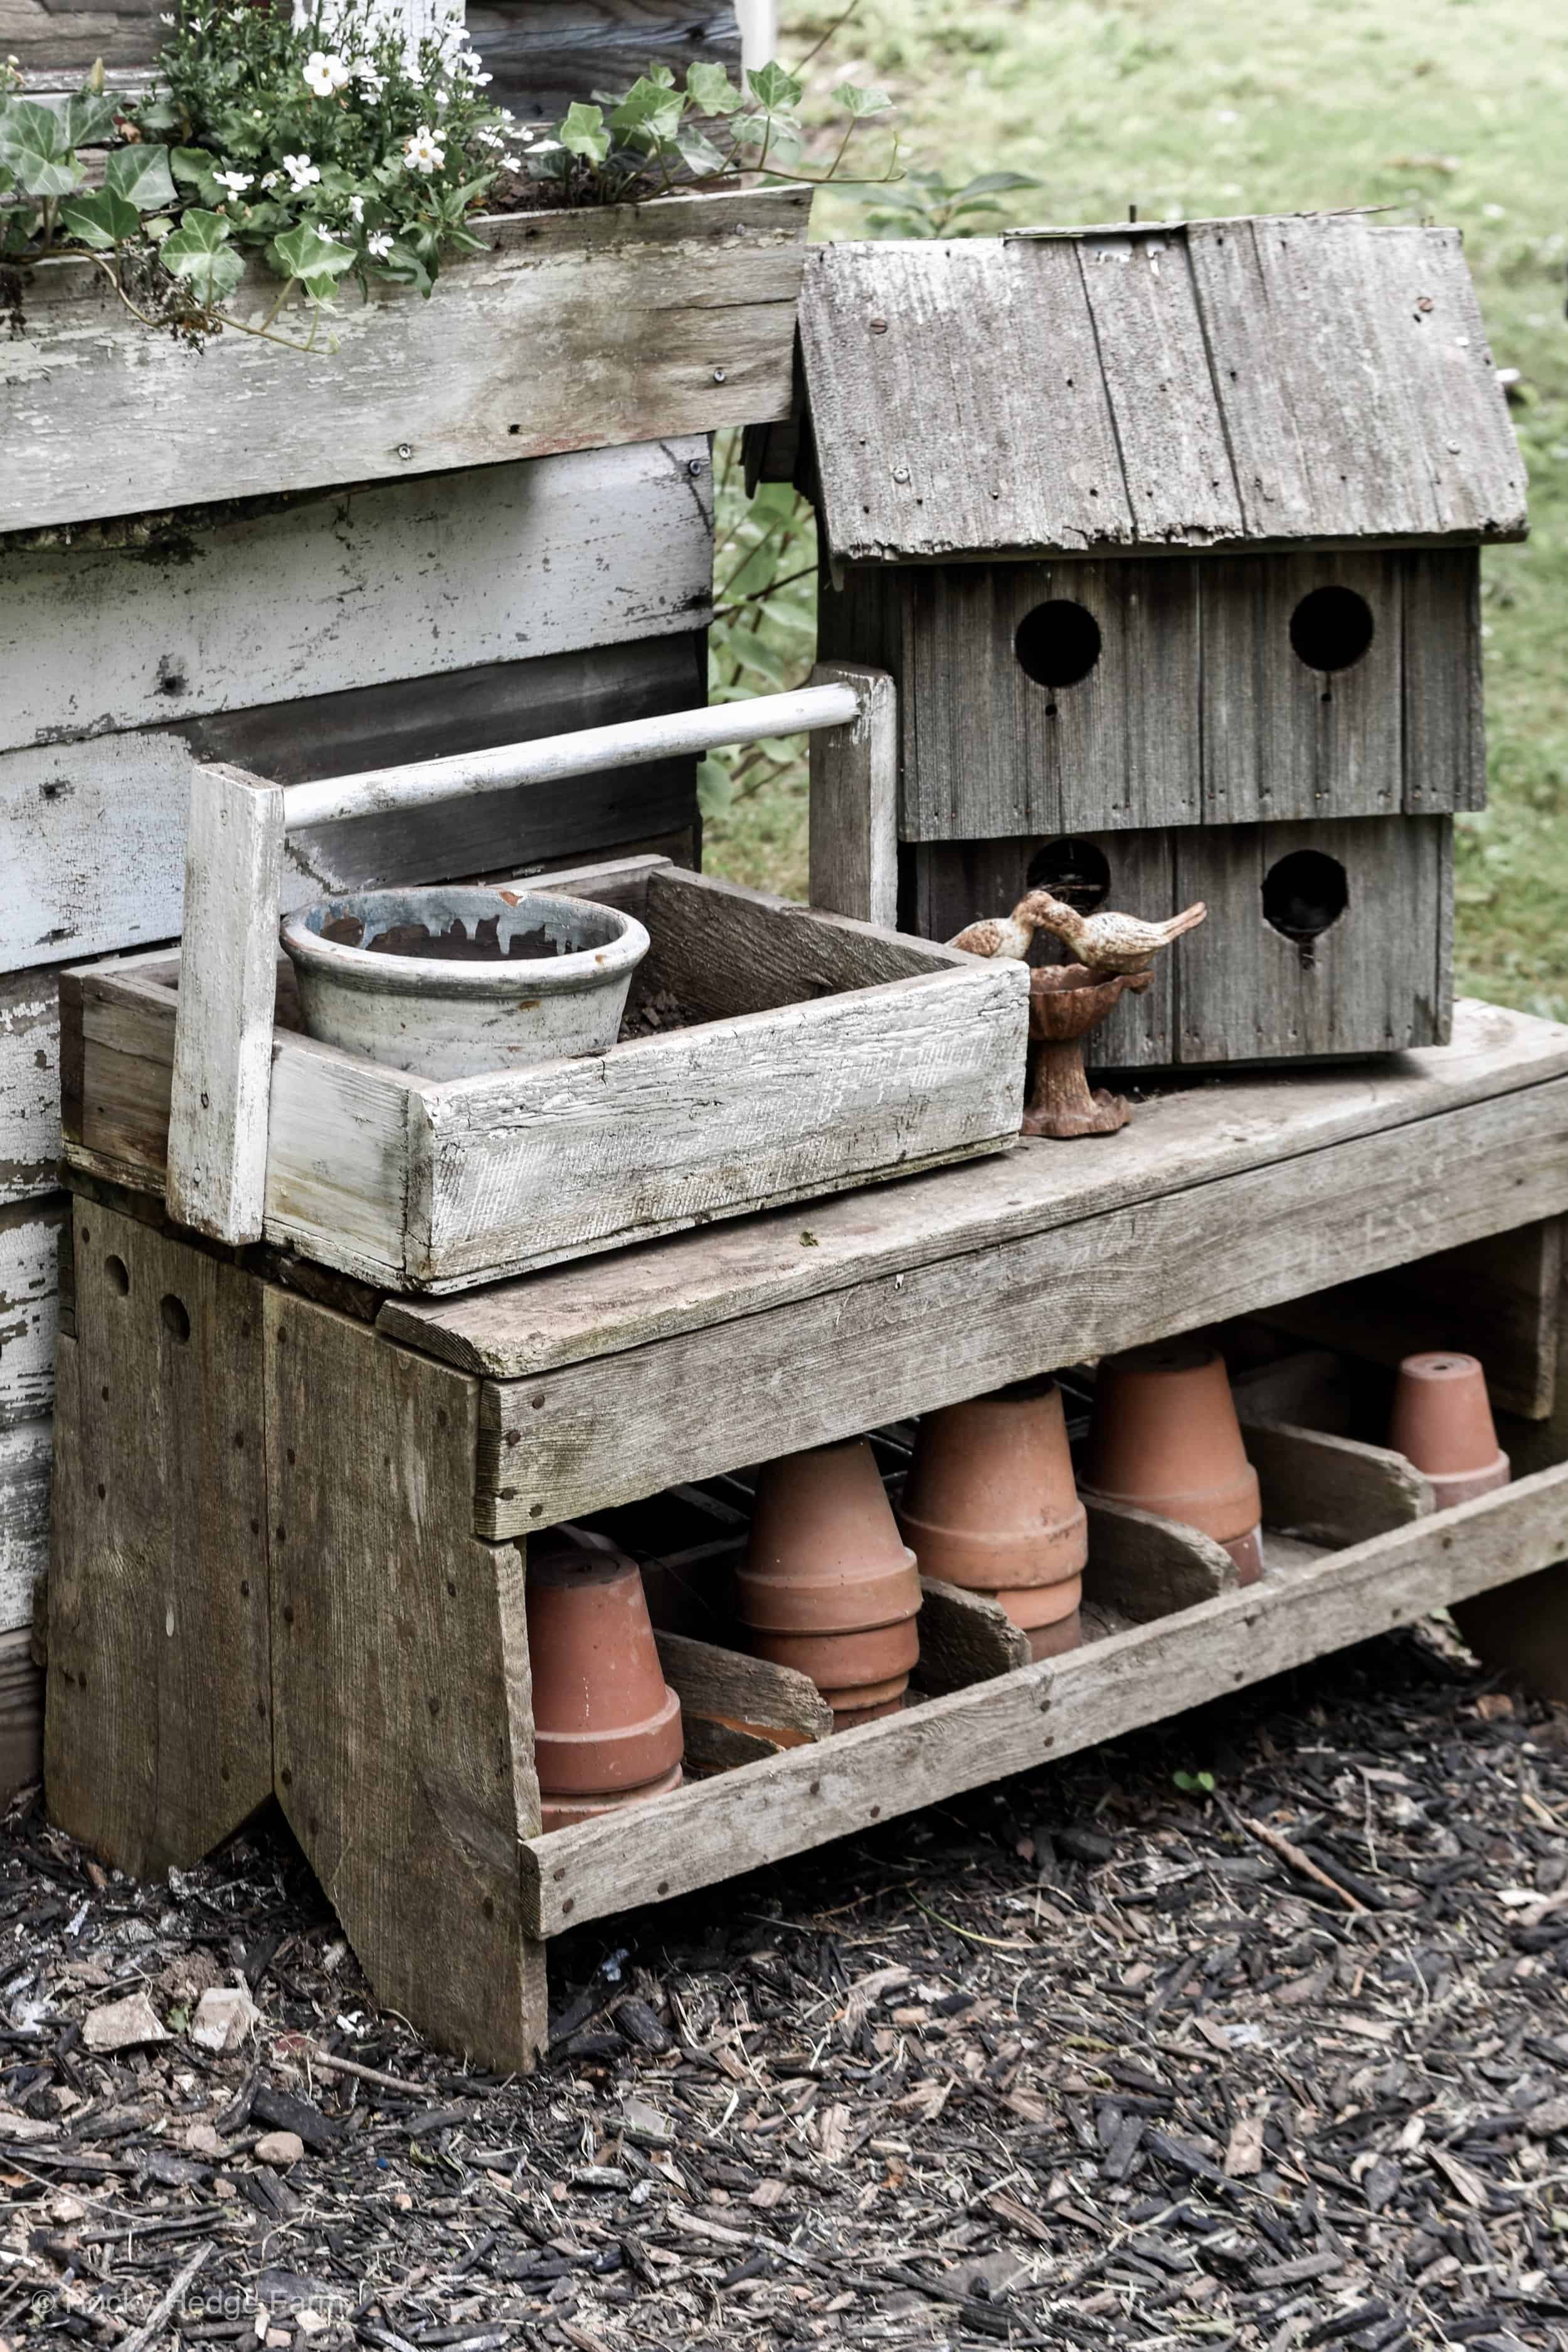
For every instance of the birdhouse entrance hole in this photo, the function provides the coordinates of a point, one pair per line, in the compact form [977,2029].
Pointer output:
[1074,871]
[1330,629]
[1304,896]
[1057,644]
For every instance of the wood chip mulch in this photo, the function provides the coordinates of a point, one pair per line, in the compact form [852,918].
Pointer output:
[1102,2056]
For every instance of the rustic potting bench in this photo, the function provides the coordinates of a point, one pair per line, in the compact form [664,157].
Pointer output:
[292,1508]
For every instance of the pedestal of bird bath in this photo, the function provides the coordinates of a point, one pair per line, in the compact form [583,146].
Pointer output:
[1066,1001]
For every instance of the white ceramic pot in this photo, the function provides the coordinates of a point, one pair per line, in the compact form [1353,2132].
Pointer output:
[449,981]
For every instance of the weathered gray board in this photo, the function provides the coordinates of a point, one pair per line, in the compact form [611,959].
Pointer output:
[575,331]
[541,54]
[1217,384]
[491,607]
[1197,710]
[1236,990]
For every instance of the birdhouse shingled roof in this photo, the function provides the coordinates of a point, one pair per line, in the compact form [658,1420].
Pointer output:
[1241,384]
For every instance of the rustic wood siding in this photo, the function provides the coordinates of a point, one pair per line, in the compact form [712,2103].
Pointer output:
[1222,383]
[1198,709]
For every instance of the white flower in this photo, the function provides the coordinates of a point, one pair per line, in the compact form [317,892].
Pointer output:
[545,147]
[379,245]
[324,74]
[489,139]
[270,179]
[235,182]
[422,153]
[303,172]
[356,206]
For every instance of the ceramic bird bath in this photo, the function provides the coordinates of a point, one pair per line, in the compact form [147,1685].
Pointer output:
[1066,1001]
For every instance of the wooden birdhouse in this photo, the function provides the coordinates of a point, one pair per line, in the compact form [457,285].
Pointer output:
[1168,538]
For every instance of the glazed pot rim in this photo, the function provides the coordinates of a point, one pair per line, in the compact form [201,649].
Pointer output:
[503,978]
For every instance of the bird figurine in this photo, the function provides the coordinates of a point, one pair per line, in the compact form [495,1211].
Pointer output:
[1108,943]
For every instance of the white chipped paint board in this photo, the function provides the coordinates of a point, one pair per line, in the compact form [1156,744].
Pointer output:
[26,1459]
[29,1086]
[29,1307]
[403,580]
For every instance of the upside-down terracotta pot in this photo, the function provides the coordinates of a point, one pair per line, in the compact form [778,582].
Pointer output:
[1164,1437]
[1442,1421]
[990,1503]
[827,1586]
[607,1727]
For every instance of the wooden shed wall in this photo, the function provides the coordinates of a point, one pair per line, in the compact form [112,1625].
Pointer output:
[312,638]
[1197,711]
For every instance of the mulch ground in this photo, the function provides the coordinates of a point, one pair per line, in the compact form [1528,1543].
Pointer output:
[1100,2056]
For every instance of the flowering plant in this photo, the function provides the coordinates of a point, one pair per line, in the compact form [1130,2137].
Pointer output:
[325,146]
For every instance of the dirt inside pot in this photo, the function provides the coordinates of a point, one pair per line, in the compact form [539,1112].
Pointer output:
[453,945]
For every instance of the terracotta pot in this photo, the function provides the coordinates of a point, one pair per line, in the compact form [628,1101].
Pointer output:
[1164,1438]
[560,1812]
[990,1501]
[1038,1605]
[1442,1421]
[841,1661]
[605,1721]
[825,1555]
[862,1697]
[845,1718]
[1052,1641]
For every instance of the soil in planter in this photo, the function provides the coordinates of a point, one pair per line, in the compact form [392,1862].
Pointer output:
[653,1014]
[451,946]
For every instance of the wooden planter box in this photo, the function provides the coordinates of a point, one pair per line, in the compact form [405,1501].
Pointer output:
[821,1055]
[575,331]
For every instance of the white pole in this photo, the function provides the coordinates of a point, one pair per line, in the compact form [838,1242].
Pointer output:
[759,30]
[633,742]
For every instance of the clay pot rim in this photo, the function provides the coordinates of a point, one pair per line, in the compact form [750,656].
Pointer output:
[614,1759]
[997,1559]
[593,1807]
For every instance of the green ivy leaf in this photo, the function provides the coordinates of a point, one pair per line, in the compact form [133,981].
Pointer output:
[650,112]
[141,175]
[305,253]
[698,153]
[773,88]
[192,167]
[583,131]
[32,144]
[17,229]
[199,254]
[89,118]
[158,114]
[101,220]
[860,102]
[712,91]
[662,74]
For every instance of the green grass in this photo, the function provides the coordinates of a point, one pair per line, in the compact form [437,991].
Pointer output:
[1455,110]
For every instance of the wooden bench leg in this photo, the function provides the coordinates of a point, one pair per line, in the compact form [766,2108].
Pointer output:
[1522,1629]
[402,1699]
[158,1735]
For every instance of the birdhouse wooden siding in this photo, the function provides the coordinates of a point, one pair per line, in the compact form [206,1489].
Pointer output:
[1169,538]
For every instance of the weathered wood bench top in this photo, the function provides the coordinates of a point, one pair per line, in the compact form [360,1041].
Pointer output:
[1179,1141]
